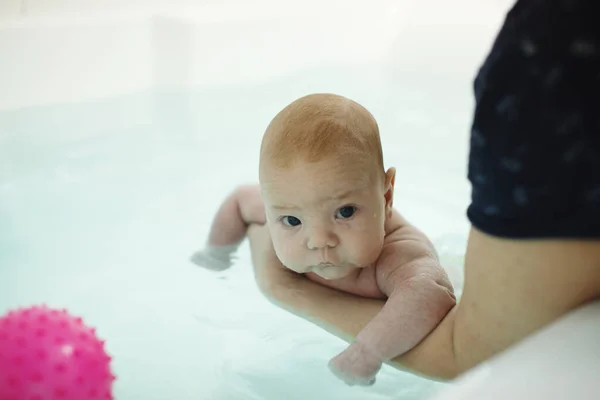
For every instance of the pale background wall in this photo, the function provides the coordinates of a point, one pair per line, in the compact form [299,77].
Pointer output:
[70,50]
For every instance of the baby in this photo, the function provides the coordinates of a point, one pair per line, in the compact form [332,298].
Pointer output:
[327,201]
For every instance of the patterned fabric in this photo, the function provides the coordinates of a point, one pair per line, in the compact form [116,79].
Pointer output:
[534,162]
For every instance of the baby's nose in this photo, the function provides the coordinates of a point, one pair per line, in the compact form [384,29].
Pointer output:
[321,238]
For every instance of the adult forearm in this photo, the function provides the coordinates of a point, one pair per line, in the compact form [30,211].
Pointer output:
[342,314]
[346,315]
[415,307]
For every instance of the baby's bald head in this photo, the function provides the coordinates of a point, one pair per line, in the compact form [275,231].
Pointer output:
[321,126]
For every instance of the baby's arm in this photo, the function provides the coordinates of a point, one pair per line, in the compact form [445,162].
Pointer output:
[244,206]
[419,296]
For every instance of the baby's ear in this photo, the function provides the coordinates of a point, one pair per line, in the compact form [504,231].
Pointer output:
[390,180]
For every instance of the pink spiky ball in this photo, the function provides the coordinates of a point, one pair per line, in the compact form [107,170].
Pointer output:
[47,354]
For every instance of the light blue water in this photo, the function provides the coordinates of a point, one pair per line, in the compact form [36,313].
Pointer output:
[102,203]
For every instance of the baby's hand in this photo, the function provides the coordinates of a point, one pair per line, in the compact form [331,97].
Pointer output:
[356,365]
[215,258]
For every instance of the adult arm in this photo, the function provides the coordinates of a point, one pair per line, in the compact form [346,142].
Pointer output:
[512,289]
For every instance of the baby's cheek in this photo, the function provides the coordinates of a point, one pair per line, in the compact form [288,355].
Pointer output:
[367,251]
[287,257]
[299,269]
[295,266]
[278,244]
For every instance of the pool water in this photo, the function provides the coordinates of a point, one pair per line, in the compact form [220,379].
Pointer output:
[102,203]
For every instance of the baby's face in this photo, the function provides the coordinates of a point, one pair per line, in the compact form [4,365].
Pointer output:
[326,218]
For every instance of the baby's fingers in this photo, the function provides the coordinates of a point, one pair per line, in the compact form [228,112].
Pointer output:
[215,259]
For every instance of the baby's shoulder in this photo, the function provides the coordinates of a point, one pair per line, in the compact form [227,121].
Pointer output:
[404,244]
[400,232]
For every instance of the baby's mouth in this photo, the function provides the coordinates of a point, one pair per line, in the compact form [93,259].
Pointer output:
[325,265]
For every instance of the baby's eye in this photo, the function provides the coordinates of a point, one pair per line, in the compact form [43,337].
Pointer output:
[346,212]
[290,221]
